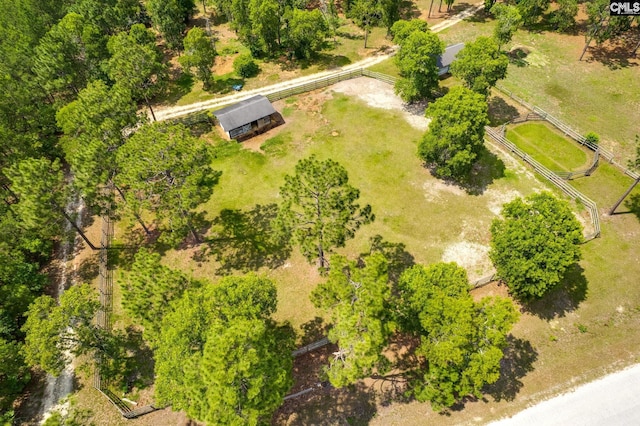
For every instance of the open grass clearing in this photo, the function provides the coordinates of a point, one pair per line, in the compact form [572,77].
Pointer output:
[378,148]
[545,144]
[601,93]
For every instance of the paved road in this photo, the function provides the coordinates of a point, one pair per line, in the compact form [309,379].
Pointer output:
[611,401]
[177,111]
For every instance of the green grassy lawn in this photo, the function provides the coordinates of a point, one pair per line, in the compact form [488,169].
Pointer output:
[544,143]
[599,94]
[428,216]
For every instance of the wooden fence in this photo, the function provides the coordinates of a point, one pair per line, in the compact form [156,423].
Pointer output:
[313,85]
[310,347]
[568,131]
[484,281]
[329,81]
[553,178]
[579,173]
[105,289]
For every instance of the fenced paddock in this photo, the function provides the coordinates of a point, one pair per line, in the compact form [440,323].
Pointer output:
[570,132]
[569,190]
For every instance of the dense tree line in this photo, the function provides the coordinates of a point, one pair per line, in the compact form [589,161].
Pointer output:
[270,27]
[72,73]
[461,341]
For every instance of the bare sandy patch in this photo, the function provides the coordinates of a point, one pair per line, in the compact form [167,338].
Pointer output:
[497,198]
[224,64]
[473,257]
[436,189]
[381,95]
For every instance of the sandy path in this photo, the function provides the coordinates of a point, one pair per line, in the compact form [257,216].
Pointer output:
[177,111]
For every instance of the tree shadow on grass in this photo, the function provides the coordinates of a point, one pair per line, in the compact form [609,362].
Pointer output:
[614,56]
[178,86]
[480,17]
[408,10]
[633,204]
[544,24]
[565,298]
[224,84]
[325,61]
[517,56]
[351,405]
[88,269]
[518,360]
[243,241]
[399,258]
[487,168]
[350,36]
[139,365]
[500,112]
[313,330]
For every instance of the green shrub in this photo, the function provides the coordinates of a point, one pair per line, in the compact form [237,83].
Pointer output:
[592,137]
[245,66]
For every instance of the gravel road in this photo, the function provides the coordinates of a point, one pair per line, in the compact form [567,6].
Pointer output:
[177,111]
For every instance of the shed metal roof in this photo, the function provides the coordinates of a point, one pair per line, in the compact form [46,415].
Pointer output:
[244,112]
[449,55]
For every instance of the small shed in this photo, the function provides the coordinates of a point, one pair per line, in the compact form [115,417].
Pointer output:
[449,55]
[247,118]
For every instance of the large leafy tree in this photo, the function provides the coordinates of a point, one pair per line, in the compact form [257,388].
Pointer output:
[69,56]
[199,54]
[480,64]
[365,14]
[357,295]
[509,21]
[456,133]
[461,341]
[319,208]
[42,193]
[166,171]
[54,330]
[136,63]
[564,17]
[169,17]
[403,29]
[246,366]
[20,284]
[535,243]
[417,63]
[220,358]
[14,374]
[532,10]
[308,31]
[95,126]
[266,18]
[149,289]
[601,26]
[390,13]
[111,16]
